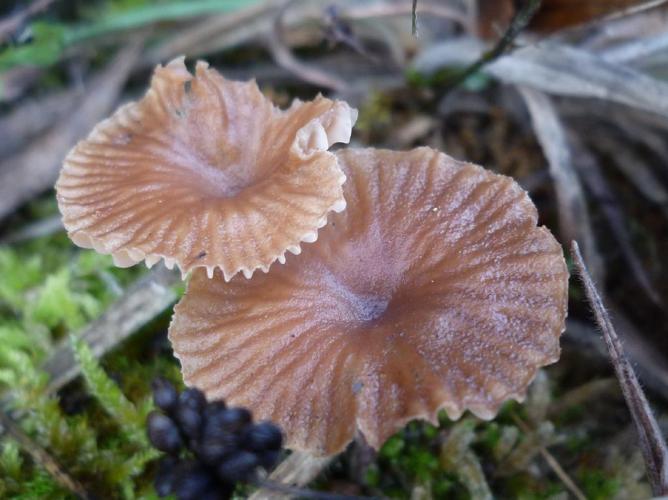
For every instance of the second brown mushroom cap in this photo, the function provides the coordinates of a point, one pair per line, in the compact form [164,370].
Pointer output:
[205,172]
[434,290]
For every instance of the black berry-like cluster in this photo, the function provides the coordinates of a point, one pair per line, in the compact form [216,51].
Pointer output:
[209,446]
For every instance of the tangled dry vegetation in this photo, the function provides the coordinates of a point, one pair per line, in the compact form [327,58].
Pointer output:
[574,108]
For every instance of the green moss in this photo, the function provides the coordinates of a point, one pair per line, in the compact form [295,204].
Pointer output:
[597,485]
[374,115]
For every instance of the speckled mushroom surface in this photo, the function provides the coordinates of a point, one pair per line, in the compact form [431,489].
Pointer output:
[205,172]
[434,289]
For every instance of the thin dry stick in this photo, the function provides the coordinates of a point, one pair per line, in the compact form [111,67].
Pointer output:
[145,299]
[552,462]
[520,21]
[41,456]
[384,9]
[635,9]
[652,444]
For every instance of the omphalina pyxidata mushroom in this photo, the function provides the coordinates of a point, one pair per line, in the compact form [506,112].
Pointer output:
[434,290]
[205,172]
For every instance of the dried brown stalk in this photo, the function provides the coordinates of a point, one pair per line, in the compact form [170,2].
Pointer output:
[553,463]
[652,443]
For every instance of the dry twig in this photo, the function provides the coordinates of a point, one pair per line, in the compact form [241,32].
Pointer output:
[519,21]
[142,302]
[652,443]
[552,462]
[414,28]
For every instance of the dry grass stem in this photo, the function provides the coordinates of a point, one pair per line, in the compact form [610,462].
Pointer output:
[652,443]
[141,303]
[553,463]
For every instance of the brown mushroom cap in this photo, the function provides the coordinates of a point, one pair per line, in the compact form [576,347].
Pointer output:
[434,289]
[205,172]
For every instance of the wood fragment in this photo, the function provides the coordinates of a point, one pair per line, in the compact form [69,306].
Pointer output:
[41,457]
[142,302]
[36,169]
[652,443]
